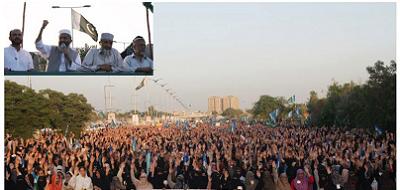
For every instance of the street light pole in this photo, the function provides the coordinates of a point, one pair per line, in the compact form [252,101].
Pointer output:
[72,29]
[105,96]
[122,43]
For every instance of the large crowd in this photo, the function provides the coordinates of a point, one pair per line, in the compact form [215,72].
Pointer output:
[204,157]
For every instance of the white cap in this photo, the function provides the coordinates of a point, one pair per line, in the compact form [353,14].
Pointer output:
[60,168]
[65,31]
[107,36]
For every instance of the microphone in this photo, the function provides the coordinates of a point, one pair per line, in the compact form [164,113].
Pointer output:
[63,46]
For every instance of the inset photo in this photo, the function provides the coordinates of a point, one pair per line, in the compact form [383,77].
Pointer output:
[79,38]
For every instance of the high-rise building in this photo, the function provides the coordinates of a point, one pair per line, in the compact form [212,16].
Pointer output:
[234,102]
[214,104]
[226,103]
[218,104]
[230,102]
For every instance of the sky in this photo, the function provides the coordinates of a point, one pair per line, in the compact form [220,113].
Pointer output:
[247,50]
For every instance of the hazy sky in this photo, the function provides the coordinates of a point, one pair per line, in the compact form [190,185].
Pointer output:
[250,49]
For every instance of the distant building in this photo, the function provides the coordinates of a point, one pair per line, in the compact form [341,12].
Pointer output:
[218,104]
[215,104]
[230,102]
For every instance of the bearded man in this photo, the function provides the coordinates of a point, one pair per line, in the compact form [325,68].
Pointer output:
[104,59]
[16,58]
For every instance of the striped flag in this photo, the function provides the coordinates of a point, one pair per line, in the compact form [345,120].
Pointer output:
[148,162]
[292,99]
[270,123]
[273,115]
[133,144]
[141,84]
[186,125]
[101,115]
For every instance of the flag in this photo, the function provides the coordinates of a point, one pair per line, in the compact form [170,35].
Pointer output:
[298,112]
[290,114]
[148,5]
[186,158]
[378,130]
[148,162]
[308,120]
[292,99]
[204,160]
[233,126]
[66,131]
[273,115]
[101,115]
[80,23]
[140,85]
[270,123]
[113,124]
[186,125]
[278,161]
[166,125]
[133,144]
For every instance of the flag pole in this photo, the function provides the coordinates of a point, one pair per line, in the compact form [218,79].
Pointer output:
[148,32]
[72,30]
[134,95]
[23,24]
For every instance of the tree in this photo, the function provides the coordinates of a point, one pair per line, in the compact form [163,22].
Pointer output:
[27,111]
[232,113]
[381,90]
[84,50]
[364,105]
[265,105]
[23,109]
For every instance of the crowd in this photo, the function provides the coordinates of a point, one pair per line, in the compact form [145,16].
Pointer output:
[204,157]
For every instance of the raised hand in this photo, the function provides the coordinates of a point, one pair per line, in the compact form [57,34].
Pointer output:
[92,158]
[122,165]
[76,171]
[45,23]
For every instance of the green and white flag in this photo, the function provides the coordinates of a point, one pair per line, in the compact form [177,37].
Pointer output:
[80,23]
[140,85]
[148,5]
[292,99]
